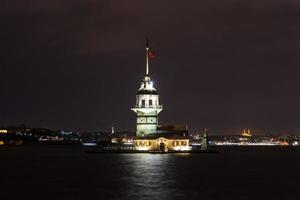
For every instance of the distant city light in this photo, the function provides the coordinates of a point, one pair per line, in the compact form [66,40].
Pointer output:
[3,131]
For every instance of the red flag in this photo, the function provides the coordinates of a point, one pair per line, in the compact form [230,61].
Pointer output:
[151,54]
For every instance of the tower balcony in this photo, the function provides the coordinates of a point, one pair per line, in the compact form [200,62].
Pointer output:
[148,106]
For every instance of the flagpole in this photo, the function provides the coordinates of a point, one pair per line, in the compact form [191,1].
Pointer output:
[147,57]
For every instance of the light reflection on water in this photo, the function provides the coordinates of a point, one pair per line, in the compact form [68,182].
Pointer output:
[69,173]
[152,176]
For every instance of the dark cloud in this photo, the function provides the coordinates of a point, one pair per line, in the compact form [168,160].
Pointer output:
[223,65]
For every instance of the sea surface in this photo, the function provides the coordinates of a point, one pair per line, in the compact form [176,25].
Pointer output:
[68,172]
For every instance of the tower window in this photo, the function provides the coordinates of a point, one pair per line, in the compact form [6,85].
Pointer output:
[150,103]
[143,103]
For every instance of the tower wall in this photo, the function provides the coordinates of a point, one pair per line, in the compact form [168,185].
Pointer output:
[147,108]
[146,121]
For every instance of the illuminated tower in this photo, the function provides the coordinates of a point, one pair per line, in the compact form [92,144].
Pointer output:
[112,129]
[147,104]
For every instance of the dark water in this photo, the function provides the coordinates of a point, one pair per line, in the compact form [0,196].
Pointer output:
[67,172]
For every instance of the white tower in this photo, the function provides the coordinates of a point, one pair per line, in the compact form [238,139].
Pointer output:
[112,129]
[147,104]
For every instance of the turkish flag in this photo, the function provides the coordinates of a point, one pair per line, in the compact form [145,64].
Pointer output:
[151,54]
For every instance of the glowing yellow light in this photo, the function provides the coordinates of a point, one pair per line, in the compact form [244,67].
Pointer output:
[246,133]
[143,148]
[3,131]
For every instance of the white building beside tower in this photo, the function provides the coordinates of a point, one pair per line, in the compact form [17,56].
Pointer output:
[147,106]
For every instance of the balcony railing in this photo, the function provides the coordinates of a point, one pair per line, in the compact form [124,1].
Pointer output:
[148,106]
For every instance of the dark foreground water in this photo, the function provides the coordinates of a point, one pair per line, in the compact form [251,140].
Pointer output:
[67,172]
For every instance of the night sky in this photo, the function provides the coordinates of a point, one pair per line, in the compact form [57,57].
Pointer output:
[224,65]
